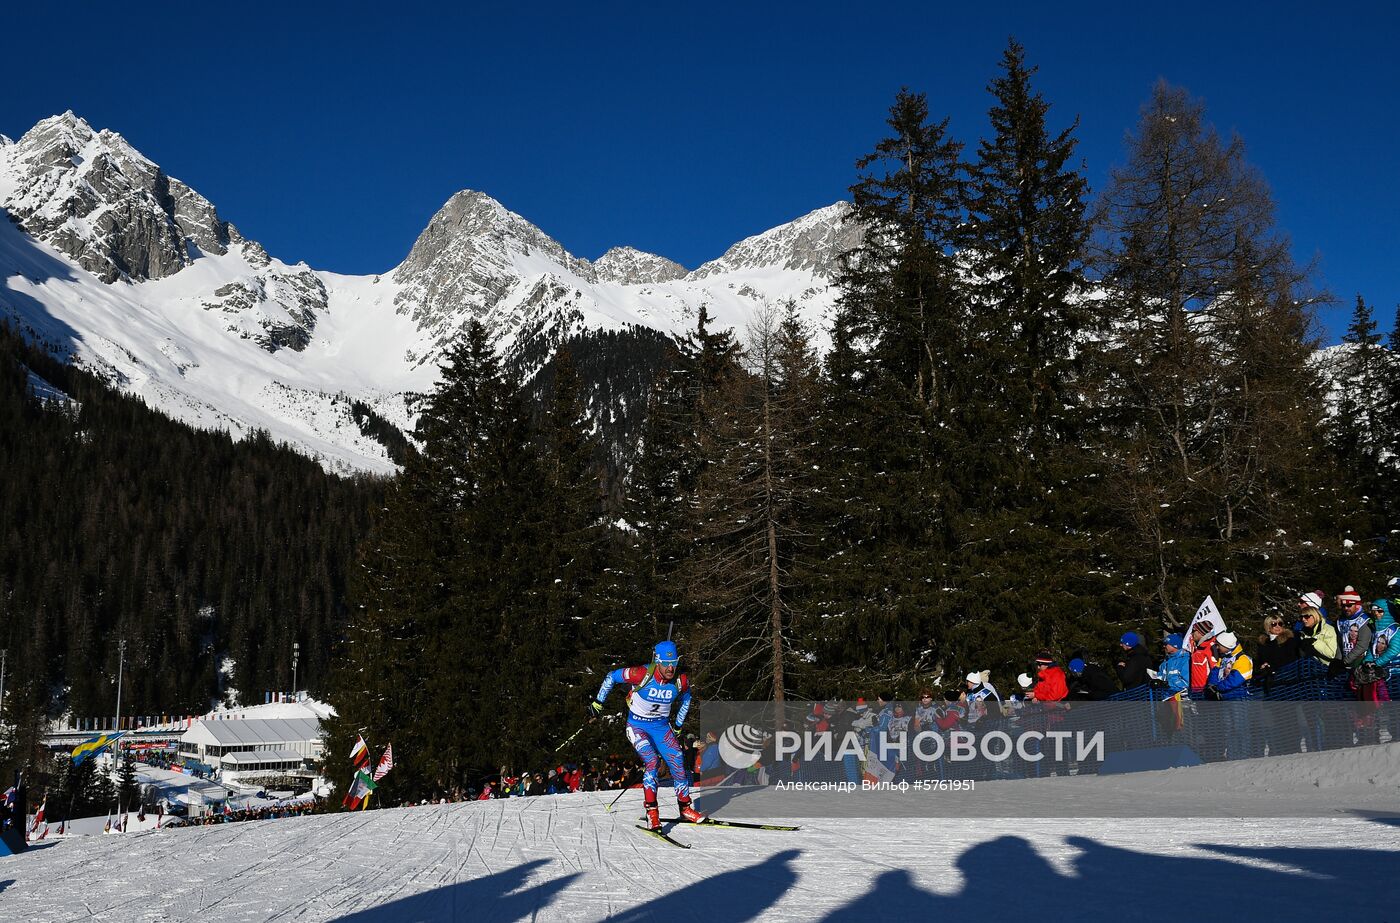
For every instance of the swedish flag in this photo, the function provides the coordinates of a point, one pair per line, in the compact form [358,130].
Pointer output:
[93,747]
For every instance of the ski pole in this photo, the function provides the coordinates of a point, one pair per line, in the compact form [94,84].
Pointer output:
[615,800]
[571,738]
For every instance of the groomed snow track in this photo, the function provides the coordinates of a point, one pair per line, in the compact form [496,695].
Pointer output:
[565,858]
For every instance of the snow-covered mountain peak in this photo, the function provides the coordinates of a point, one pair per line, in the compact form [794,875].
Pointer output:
[471,254]
[94,197]
[133,274]
[813,243]
[629,266]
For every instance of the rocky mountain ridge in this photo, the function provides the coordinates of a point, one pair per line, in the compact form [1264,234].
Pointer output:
[133,273]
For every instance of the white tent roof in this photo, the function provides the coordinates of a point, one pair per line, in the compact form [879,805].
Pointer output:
[263,756]
[252,731]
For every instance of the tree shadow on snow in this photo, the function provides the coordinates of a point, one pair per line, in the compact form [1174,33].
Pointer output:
[729,897]
[1008,877]
[502,896]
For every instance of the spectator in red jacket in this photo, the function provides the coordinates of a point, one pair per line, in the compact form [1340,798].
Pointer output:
[1202,659]
[1050,685]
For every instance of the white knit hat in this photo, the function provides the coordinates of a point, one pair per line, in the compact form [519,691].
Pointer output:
[1025,681]
[1311,599]
[1227,640]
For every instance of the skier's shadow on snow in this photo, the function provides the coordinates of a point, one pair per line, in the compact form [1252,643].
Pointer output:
[1008,877]
[729,897]
[502,896]
[6,883]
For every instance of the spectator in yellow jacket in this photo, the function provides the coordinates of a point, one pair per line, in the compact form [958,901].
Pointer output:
[1317,639]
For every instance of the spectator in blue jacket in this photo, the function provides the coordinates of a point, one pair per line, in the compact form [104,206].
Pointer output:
[1175,671]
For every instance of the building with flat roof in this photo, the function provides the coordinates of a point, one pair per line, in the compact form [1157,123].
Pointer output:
[247,748]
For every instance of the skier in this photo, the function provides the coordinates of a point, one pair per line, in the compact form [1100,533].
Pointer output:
[655,689]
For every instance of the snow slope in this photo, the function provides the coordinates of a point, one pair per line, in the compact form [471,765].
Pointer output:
[134,275]
[564,858]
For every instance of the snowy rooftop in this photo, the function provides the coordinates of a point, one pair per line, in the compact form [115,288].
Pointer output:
[232,732]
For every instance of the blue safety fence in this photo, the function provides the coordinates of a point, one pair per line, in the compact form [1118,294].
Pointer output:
[1304,707]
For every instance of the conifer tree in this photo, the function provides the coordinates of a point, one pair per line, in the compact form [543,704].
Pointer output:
[1359,431]
[752,500]
[1189,252]
[899,337]
[662,486]
[1026,549]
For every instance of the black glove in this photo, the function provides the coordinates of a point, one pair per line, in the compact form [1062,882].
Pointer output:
[1306,644]
[595,708]
[1336,668]
[1212,693]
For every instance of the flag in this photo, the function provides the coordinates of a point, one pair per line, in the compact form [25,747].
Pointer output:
[1209,617]
[45,833]
[359,790]
[386,762]
[359,755]
[93,747]
[228,811]
[39,818]
[61,825]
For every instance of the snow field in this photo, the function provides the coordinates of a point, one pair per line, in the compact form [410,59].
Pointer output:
[564,858]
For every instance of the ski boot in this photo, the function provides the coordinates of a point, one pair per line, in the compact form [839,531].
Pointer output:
[653,817]
[688,813]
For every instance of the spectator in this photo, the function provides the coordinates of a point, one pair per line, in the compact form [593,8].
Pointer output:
[1318,639]
[1370,676]
[1310,600]
[1175,671]
[707,760]
[1050,684]
[1278,647]
[1089,682]
[1133,661]
[1229,680]
[1354,633]
[924,712]
[980,694]
[1202,660]
[1385,642]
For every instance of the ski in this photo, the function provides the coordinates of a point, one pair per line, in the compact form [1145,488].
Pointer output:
[729,823]
[663,837]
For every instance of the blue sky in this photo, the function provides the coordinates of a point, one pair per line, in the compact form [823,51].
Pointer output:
[331,133]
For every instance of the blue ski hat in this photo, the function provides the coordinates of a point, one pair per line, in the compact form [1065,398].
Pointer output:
[1076,665]
[1131,639]
[665,654]
[1173,640]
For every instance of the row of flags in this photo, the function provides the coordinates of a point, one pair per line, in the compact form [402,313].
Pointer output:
[365,782]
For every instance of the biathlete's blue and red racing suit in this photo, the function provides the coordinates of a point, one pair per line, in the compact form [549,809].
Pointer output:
[649,725]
